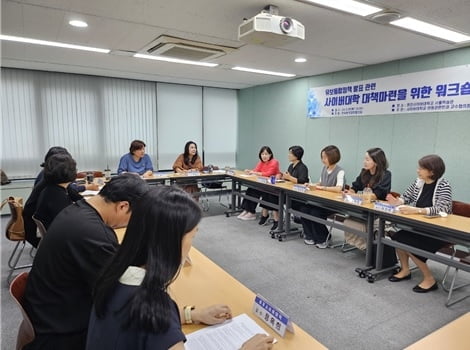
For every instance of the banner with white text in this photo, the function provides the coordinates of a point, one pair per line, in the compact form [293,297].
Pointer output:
[437,90]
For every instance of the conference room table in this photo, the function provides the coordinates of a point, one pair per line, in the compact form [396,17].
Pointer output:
[453,228]
[203,283]
[452,336]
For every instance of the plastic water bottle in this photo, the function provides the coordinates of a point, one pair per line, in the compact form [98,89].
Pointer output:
[366,195]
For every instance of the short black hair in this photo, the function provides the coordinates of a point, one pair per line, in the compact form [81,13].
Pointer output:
[433,163]
[54,150]
[124,187]
[60,168]
[297,151]
[267,149]
[332,153]
[136,145]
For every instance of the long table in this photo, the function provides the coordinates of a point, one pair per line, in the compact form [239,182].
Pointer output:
[204,283]
[453,228]
[453,336]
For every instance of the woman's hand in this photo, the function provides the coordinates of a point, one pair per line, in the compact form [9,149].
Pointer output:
[148,173]
[210,315]
[92,187]
[287,176]
[349,191]
[258,342]
[393,200]
[406,209]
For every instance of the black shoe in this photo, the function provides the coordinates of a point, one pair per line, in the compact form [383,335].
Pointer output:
[274,226]
[263,220]
[393,278]
[418,289]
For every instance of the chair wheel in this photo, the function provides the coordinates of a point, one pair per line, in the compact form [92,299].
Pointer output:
[273,235]
[227,215]
[370,278]
[280,238]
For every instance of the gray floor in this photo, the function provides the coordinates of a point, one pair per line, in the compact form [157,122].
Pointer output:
[317,288]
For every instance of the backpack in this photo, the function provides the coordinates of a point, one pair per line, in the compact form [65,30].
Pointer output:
[15,227]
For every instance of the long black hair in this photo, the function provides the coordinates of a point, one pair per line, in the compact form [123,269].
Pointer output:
[153,239]
[186,158]
[379,158]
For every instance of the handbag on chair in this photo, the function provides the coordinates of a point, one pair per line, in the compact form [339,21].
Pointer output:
[15,227]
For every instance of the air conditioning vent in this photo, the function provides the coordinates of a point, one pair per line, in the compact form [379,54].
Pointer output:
[172,47]
[185,52]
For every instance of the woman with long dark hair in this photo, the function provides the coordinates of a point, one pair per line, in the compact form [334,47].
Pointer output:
[133,309]
[189,161]
[374,174]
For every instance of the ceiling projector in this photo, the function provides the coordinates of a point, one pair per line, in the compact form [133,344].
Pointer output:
[270,30]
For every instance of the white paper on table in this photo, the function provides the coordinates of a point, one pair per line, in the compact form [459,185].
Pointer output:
[89,193]
[220,171]
[229,335]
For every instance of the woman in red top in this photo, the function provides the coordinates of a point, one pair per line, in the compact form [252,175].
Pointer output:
[267,166]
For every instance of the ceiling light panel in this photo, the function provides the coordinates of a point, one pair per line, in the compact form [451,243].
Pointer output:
[350,6]
[77,23]
[52,43]
[175,60]
[430,29]
[267,72]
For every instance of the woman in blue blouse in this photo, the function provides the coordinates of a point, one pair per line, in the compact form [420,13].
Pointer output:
[136,161]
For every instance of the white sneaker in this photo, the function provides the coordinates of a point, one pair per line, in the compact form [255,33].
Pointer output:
[249,216]
[309,241]
[244,212]
[323,245]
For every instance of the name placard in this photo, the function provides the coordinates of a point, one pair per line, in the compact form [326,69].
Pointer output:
[272,316]
[263,180]
[230,172]
[349,198]
[382,206]
[300,188]
[193,173]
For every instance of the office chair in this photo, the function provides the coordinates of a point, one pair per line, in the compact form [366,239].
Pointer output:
[456,252]
[26,331]
[16,220]
[41,228]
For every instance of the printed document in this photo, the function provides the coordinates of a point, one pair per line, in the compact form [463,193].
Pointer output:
[229,335]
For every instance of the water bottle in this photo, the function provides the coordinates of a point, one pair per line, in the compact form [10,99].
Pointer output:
[366,195]
[107,173]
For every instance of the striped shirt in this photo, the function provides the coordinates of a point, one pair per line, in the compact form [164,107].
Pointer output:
[441,199]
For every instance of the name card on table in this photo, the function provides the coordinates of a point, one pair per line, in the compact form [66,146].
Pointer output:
[272,316]
[349,198]
[230,172]
[193,173]
[263,180]
[382,206]
[300,188]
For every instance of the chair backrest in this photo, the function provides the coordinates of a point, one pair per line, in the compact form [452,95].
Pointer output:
[26,331]
[461,208]
[40,226]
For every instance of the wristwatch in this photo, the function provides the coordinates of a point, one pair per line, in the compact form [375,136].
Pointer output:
[187,313]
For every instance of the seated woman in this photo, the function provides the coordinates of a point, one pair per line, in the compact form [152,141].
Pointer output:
[136,161]
[374,175]
[296,173]
[267,166]
[39,184]
[331,179]
[131,300]
[60,170]
[430,194]
[189,161]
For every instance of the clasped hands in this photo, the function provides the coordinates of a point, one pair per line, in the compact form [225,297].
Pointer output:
[219,313]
